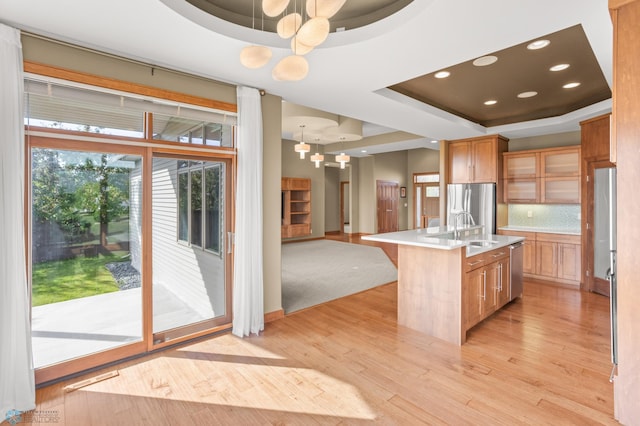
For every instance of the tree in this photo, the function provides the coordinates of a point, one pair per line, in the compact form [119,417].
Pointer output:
[106,196]
[65,190]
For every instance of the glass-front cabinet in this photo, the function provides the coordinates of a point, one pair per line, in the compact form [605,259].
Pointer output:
[547,176]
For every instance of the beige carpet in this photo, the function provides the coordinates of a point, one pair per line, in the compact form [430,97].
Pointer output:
[315,272]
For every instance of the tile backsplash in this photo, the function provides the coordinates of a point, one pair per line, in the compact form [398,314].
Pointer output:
[554,216]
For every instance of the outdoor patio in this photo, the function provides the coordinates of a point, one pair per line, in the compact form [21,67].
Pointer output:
[73,328]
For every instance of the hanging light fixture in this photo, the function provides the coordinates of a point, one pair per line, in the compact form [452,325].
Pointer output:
[291,68]
[314,32]
[255,56]
[317,157]
[302,147]
[305,35]
[342,158]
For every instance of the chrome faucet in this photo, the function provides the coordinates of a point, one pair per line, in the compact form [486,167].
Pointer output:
[456,231]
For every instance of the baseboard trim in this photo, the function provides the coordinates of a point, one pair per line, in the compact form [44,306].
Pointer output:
[273,316]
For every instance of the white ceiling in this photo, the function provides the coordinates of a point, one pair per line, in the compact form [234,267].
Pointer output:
[349,73]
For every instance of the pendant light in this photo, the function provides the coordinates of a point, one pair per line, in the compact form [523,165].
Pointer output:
[317,157]
[314,31]
[302,147]
[291,68]
[306,30]
[342,158]
[255,56]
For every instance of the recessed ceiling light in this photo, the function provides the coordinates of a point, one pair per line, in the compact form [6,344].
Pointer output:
[538,44]
[491,102]
[364,150]
[559,67]
[442,74]
[485,60]
[571,85]
[527,94]
[434,141]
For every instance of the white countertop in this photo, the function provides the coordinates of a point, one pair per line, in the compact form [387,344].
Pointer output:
[567,231]
[442,238]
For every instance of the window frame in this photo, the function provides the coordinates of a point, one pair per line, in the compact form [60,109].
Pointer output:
[189,170]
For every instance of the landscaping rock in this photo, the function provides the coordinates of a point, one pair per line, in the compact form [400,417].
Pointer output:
[125,275]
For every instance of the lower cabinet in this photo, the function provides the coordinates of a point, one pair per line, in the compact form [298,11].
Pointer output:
[555,257]
[486,285]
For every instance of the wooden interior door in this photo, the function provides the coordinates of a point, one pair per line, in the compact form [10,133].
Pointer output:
[387,194]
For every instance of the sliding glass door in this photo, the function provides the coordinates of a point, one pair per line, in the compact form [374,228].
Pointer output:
[191,286]
[85,225]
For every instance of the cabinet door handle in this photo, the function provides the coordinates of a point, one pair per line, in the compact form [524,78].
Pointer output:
[498,254]
[500,277]
[474,263]
[484,285]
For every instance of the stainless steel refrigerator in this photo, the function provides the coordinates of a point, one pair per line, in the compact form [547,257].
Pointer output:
[478,199]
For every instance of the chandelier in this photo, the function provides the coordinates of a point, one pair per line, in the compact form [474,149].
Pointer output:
[306,29]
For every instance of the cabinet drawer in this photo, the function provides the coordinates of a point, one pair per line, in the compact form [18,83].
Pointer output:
[482,259]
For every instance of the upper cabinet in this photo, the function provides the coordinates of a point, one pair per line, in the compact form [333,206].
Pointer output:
[476,160]
[549,176]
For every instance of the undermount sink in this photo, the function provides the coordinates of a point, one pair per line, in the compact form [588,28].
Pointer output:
[482,243]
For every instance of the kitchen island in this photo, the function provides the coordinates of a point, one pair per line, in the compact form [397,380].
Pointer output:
[447,285]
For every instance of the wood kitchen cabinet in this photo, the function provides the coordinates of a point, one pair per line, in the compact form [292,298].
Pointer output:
[296,207]
[486,285]
[477,160]
[547,256]
[560,173]
[558,257]
[547,176]
[558,260]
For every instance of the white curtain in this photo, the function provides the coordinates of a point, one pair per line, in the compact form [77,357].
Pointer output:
[248,305]
[17,388]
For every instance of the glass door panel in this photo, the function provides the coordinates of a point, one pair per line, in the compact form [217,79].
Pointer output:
[190,261]
[85,276]
[602,220]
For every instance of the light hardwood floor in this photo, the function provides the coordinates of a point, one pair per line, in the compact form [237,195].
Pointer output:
[540,360]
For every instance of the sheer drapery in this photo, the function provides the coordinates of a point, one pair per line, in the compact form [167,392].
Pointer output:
[248,305]
[17,384]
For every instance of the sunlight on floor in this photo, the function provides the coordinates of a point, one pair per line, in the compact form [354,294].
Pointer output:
[238,374]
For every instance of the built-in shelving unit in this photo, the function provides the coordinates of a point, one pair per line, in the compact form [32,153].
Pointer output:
[296,207]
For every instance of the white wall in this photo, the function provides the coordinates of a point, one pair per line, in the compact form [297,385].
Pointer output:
[545,141]
[331,199]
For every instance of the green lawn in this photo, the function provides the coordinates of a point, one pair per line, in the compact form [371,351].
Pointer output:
[62,280]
